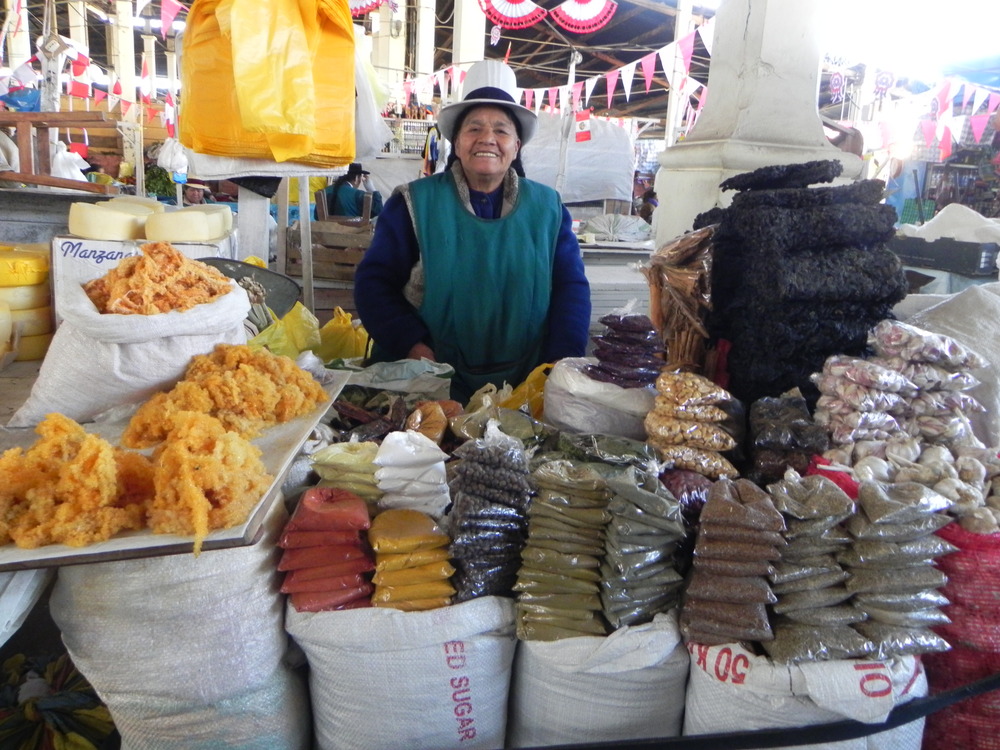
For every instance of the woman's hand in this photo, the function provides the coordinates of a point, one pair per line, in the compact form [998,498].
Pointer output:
[421,351]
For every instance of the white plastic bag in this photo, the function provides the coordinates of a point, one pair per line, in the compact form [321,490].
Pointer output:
[67,164]
[383,678]
[731,689]
[188,652]
[579,404]
[99,361]
[172,156]
[19,592]
[627,686]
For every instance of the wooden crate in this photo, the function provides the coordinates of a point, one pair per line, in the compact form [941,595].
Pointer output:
[328,262]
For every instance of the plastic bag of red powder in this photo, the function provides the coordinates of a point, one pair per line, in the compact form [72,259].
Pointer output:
[321,601]
[312,557]
[329,509]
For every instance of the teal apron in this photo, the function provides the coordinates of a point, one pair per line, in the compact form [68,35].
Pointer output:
[487,282]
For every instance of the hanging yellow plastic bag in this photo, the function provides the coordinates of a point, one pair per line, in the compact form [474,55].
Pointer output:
[531,392]
[292,335]
[341,337]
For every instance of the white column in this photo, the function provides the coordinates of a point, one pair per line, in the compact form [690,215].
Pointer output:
[470,34]
[425,37]
[76,12]
[19,41]
[389,50]
[683,25]
[761,109]
[124,47]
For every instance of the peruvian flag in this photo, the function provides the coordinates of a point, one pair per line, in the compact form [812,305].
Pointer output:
[169,114]
[583,126]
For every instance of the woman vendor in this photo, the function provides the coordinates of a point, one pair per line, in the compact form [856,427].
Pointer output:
[477,266]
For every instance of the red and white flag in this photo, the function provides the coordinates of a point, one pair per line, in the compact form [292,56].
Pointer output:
[583,126]
[145,83]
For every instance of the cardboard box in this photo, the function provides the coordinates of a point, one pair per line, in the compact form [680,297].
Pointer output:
[76,260]
[965,258]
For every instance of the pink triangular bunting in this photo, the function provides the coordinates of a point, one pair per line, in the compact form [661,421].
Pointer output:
[648,64]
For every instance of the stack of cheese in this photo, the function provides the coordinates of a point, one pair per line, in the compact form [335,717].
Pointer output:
[131,217]
[24,300]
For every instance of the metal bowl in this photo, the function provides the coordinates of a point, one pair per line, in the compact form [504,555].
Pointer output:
[282,292]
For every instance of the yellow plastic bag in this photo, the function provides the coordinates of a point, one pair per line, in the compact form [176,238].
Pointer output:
[405,530]
[531,392]
[341,338]
[292,335]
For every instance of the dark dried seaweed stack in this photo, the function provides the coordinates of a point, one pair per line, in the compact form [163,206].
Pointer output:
[798,273]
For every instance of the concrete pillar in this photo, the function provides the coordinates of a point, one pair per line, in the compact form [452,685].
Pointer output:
[389,50]
[470,35]
[425,38]
[683,25]
[76,12]
[761,108]
[19,48]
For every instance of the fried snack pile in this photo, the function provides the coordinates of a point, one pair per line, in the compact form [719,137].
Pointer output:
[246,389]
[71,488]
[205,477]
[160,280]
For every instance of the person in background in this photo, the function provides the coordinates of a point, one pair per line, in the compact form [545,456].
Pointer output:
[648,205]
[197,192]
[345,197]
[477,266]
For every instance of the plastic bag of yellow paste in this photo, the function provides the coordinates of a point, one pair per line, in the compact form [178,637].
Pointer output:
[416,605]
[297,331]
[335,458]
[341,337]
[405,530]
[416,558]
[412,592]
[435,571]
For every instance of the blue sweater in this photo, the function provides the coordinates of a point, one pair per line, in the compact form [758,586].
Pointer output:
[396,326]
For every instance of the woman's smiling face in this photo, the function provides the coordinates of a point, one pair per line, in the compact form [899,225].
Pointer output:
[486,144]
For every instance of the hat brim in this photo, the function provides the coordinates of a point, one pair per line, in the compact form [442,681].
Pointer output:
[449,115]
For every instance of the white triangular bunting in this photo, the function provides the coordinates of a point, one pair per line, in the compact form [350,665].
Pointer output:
[628,73]
[588,89]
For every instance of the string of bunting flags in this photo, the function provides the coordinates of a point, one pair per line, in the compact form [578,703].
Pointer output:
[577,96]
[945,128]
[80,69]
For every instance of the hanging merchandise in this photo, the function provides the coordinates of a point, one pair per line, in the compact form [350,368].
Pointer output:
[583,16]
[513,14]
[238,104]
[836,87]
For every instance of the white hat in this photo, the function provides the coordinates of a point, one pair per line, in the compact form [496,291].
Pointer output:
[489,82]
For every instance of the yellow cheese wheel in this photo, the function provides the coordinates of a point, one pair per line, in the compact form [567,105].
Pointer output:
[152,204]
[136,209]
[5,326]
[224,212]
[31,348]
[103,222]
[185,225]
[33,322]
[22,268]
[26,297]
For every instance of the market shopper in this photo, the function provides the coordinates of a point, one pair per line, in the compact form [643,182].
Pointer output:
[346,196]
[477,266]
[197,192]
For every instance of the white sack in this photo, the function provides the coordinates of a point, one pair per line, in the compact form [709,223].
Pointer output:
[733,690]
[629,685]
[20,590]
[383,679]
[970,317]
[99,361]
[188,652]
[576,403]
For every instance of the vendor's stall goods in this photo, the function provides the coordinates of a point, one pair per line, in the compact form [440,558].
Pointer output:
[25,304]
[782,434]
[628,353]
[409,585]
[558,592]
[798,273]
[680,296]
[75,488]
[160,280]
[684,424]
[324,555]
[349,466]
[488,521]
[245,389]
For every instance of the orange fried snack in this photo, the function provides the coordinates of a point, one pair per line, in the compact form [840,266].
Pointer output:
[246,389]
[160,280]
[71,488]
[206,478]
